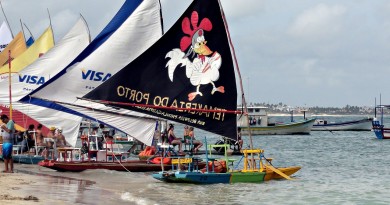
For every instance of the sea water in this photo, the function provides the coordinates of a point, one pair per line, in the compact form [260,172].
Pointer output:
[337,168]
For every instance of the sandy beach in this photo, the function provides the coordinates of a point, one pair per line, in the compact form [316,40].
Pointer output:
[13,188]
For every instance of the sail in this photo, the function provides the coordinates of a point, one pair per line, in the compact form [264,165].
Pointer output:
[5,36]
[34,75]
[139,30]
[22,120]
[38,49]
[126,43]
[37,73]
[17,46]
[189,68]
[121,16]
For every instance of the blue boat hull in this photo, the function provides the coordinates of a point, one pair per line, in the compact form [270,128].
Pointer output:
[380,131]
[193,177]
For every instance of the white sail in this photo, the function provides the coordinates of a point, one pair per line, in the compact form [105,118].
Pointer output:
[5,36]
[34,75]
[37,73]
[132,38]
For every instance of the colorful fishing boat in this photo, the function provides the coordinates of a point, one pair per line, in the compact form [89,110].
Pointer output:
[259,123]
[259,171]
[79,166]
[194,175]
[187,83]
[378,126]
[353,125]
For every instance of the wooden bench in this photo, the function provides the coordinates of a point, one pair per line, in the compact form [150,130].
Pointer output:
[115,151]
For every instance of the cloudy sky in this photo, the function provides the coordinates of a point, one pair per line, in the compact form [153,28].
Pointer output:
[302,52]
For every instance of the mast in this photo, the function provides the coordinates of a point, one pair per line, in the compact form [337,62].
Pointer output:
[6,19]
[28,31]
[89,32]
[9,85]
[21,25]
[238,73]
[50,23]
[161,17]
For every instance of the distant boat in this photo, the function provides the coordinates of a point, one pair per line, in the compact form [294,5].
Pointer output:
[377,124]
[354,125]
[260,124]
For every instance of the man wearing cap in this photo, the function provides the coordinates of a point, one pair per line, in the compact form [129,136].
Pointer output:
[7,131]
[49,143]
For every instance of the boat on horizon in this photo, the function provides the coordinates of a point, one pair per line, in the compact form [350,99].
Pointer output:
[261,124]
[364,124]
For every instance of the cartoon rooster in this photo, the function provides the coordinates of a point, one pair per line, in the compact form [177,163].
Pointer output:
[204,68]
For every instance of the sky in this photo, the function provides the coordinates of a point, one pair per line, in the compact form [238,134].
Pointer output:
[326,53]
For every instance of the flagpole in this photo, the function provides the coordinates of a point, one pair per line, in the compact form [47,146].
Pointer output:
[6,19]
[241,85]
[28,32]
[50,23]
[238,73]
[21,25]
[9,80]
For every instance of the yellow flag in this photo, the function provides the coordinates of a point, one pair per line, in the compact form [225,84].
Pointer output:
[17,47]
[36,50]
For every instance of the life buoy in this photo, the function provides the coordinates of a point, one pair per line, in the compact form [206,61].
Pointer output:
[157,160]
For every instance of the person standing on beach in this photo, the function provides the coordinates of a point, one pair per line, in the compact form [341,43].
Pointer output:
[7,131]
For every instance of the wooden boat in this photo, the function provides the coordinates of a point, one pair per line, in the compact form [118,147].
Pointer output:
[259,171]
[378,127]
[189,87]
[194,175]
[27,159]
[78,166]
[260,124]
[354,125]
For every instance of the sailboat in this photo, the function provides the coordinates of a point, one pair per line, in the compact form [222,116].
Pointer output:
[35,74]
[135,27]
[181,79]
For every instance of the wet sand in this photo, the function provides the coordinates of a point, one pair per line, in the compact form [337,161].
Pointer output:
[32,184]
[13,188]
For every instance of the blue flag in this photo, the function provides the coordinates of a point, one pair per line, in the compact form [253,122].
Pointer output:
[30,41]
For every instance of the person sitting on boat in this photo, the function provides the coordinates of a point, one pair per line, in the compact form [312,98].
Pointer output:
[28,141]
[50,135]
[18,137]
[239,139]
[109,139]
[50,142]
[61,141]
[173,140]
[186,135]
[197,144]
[39,136]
